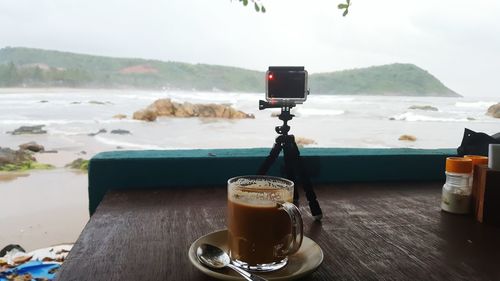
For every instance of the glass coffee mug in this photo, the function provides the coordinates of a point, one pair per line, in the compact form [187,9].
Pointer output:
[264,227]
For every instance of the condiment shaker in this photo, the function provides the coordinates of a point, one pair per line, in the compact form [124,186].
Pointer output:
[456,197]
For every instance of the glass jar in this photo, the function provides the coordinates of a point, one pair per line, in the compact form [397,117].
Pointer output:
[456,197]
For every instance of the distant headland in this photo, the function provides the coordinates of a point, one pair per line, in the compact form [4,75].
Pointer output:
[36,68]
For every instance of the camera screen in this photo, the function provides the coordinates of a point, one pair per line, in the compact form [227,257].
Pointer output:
[286,84]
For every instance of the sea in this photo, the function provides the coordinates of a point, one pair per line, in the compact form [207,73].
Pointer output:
[47,207]
[71,117]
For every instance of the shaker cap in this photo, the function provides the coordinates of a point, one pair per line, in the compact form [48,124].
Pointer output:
[477,159]
[459,165]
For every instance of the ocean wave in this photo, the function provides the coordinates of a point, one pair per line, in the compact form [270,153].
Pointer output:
[46,122]
[475,104]
[412,117]
[124,144]
[210,97]
[69,133]
[340,99]
[319,112]
[63,121]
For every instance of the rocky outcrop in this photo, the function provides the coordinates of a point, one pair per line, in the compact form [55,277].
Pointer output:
[165,107]
[26,130]
[424,107]
[494,110]
[407,138]
[162,107]
[32,146]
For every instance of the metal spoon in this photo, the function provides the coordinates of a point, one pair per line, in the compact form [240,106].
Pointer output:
[214,257]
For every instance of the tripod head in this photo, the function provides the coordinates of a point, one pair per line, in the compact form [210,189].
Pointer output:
[285,114]
[275,104]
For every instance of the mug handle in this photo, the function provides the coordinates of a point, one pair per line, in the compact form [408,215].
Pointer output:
[297,226]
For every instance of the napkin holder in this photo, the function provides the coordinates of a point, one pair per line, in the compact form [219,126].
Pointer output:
[486,195]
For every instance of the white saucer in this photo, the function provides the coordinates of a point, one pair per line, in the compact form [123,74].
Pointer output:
[305,261]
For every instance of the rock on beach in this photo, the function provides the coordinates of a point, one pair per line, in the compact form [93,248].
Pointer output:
[99,102]
[10,156]
[19,160]
[32,146]
[79,164]
[424,107]
[494,110]
[407,138]
[301,141]
[120,132]
[120,116]
[101,131]
[145,115]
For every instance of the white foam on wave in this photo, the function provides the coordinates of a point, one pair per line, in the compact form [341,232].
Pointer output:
[63,121]
[45,122]
[332,98]
[68,133]
[319,112]
[412,117]
[113,121]
[124,144]
[475,104]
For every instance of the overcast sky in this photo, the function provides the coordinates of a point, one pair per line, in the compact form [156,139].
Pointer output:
[458,41]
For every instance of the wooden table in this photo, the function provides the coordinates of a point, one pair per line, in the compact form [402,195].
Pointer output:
[371,231]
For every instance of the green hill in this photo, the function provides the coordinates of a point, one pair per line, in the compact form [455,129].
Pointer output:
[392,79]
[35,68]
[25,67]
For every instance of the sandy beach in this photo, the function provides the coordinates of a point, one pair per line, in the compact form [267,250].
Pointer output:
[42,208]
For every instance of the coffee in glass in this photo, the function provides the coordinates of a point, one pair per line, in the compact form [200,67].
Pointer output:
[264,227]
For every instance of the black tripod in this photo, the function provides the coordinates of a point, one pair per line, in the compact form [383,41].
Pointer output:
[293,161]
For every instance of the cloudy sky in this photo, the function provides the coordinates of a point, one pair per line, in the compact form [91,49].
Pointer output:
[456,40]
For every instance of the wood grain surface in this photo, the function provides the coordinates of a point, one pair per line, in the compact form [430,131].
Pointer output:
[370,231]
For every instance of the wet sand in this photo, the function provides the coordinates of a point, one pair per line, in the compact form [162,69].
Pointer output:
[42,208]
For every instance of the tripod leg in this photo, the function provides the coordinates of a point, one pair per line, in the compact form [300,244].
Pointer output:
[306,181]
[270,159]
[290,164]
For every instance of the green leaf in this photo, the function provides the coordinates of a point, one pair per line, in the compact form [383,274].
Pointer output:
[263,9]
[345,12]
[257,8]
[348,2]
[245,2]
[342,6]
